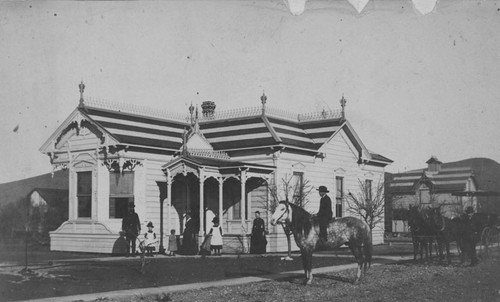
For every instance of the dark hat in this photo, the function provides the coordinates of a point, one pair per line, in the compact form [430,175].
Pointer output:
[150,224]
[469,210]
[323,189]
[257,212]
[216,219]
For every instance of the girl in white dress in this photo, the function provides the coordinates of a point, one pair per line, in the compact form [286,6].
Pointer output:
[216,242]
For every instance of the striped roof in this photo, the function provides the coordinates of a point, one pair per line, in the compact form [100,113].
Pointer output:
[263,131]
[237,132]
[227,166]
[256,130]
[447,180]
[142,131]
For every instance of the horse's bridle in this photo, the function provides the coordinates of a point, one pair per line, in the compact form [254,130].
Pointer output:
[285,212]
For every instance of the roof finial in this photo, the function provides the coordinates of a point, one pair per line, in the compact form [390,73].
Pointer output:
[263,100]
[191,110]
[184,142]
[82,88]
[196,125]
[342,103]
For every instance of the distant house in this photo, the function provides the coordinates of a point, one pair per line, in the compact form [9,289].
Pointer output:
[452,186]
[170,165]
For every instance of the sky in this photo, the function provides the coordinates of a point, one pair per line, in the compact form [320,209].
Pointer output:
[416,85]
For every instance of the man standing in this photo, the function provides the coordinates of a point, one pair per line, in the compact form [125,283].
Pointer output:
[132,227]
[258,240]
[325,212]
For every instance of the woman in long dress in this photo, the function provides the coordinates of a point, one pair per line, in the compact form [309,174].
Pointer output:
[189,246]
[258,241]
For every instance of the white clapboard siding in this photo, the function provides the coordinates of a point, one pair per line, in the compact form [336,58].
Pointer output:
[79,142]
[340,157]
[154,176]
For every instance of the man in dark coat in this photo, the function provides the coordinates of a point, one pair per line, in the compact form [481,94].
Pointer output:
[325,212]
[258,241]
[132,227]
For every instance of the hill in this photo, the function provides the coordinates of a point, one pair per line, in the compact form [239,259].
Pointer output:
[15,190]
[486,172]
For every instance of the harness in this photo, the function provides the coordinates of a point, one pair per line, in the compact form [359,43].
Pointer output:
[444,224]
[285,212]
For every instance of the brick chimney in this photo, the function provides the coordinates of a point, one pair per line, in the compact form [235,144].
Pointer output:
[208,108]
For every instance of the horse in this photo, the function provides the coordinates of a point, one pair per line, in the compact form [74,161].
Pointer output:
[350,231]
[451,230]
[422,233]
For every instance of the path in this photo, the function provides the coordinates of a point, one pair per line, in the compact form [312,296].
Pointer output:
[123,294]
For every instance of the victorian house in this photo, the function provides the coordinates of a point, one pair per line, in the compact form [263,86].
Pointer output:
[170,165]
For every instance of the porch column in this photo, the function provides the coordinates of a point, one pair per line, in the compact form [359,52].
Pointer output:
[221,195]
[73,201]
[169,206]
[243,207]
[202,208]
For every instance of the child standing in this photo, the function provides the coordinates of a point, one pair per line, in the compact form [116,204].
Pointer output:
[216,232]
[150,240]
[172,243]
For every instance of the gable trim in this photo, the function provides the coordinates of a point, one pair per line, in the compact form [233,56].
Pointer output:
[80,118]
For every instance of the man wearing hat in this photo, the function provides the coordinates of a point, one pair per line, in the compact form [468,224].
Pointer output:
[325,212]
[132,228]
[469,211]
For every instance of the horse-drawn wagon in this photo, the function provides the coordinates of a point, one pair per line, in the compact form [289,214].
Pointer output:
[468,231]
[489,235]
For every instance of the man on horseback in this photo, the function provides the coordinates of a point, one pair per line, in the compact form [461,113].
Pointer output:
[325,213]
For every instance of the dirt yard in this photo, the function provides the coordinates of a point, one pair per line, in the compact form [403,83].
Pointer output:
[405,281]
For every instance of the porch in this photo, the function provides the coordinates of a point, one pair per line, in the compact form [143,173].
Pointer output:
[229,190]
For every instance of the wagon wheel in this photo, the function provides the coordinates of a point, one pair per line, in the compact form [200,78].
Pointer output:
[495,237]
[485,241]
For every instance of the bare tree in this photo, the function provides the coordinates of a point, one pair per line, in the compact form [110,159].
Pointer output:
[368,202]
[293,189]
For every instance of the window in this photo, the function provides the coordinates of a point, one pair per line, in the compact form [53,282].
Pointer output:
[84,194]
[121,192]
[297,184]
[339,197]
[368,188]
[237,210]
[424,196]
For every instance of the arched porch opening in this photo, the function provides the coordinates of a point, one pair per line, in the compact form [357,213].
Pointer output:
[205,188]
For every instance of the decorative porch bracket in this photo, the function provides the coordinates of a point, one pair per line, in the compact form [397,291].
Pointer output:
[122,164]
